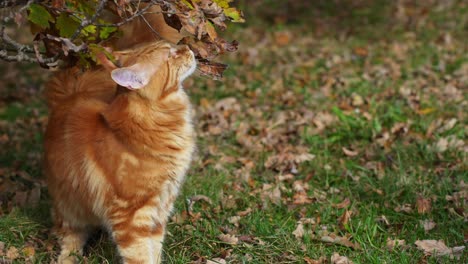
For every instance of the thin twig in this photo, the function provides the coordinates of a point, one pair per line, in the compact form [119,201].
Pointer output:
[86,22]
[139,13]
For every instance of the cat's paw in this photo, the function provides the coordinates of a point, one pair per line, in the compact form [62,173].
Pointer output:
[67,259]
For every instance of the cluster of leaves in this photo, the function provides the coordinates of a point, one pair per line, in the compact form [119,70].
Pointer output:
[76,31]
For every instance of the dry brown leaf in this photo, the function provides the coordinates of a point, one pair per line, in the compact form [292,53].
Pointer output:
[392,243]
[283,38]
[12,253]
[404,208]
[350,153]
[357,100]
[400,128]
[344,218]
[234,220]
[334,239]
[211,69]
[361,51]
[245,212]
[337,259]
[28,251]
[272,193]
[300,198]
[216,261]
[438,248]
[441,145]
[383,219]
[2,248]
[200,197]
[229,239]
[449,124]
[423,205]
[299,231]
[446,143]
[321,260]
[427,224]
[345,203]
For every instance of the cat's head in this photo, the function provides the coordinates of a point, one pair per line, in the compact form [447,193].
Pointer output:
[157,66]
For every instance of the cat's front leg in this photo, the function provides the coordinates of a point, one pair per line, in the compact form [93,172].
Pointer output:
[72,241]
[138,238]
[140,245]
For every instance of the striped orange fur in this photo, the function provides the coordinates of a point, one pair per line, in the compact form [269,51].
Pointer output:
[117,159]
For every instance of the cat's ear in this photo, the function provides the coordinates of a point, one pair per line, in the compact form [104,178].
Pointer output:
[133,77]
[138,75]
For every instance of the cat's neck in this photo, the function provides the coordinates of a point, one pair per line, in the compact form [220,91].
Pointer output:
[131,112]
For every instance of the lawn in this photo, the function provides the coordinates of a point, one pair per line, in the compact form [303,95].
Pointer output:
[338,134]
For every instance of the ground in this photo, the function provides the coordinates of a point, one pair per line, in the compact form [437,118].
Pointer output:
[338,134]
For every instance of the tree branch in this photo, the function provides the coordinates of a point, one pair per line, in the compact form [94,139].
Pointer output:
[11,3]
[87,22]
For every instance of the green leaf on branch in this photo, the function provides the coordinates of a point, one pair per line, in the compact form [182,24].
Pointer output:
[39,16]
[96,50]
[188,4]
[105,32]
[89,32]
[66,25]
[223,3]
[234,14]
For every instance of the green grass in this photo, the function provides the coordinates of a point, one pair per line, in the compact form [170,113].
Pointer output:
[394,132]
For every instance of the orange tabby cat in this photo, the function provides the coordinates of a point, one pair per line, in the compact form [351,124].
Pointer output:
[118,161]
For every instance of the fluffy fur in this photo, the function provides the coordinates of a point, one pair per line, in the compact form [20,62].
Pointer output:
[117,159]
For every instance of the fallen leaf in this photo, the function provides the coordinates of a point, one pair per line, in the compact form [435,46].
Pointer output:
[361,51]
[427,224]
[28,251]
[344,218]
[334,239]
[229,239]
[234,220]
[245,212]
[337,259]
[357,100]
[441,145]
[383,219]
[448,125]
[345,203]
[350,153]
[272,193]
[446,143]
[438,248]
[2,248]
[191,202]
[423,205]
[200,197]
[216,261]
[321,260]
[301,198]
[404,208]
[392,243]
[282,38]
[250,239]
[12,253]
[400,128]
[299,231]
